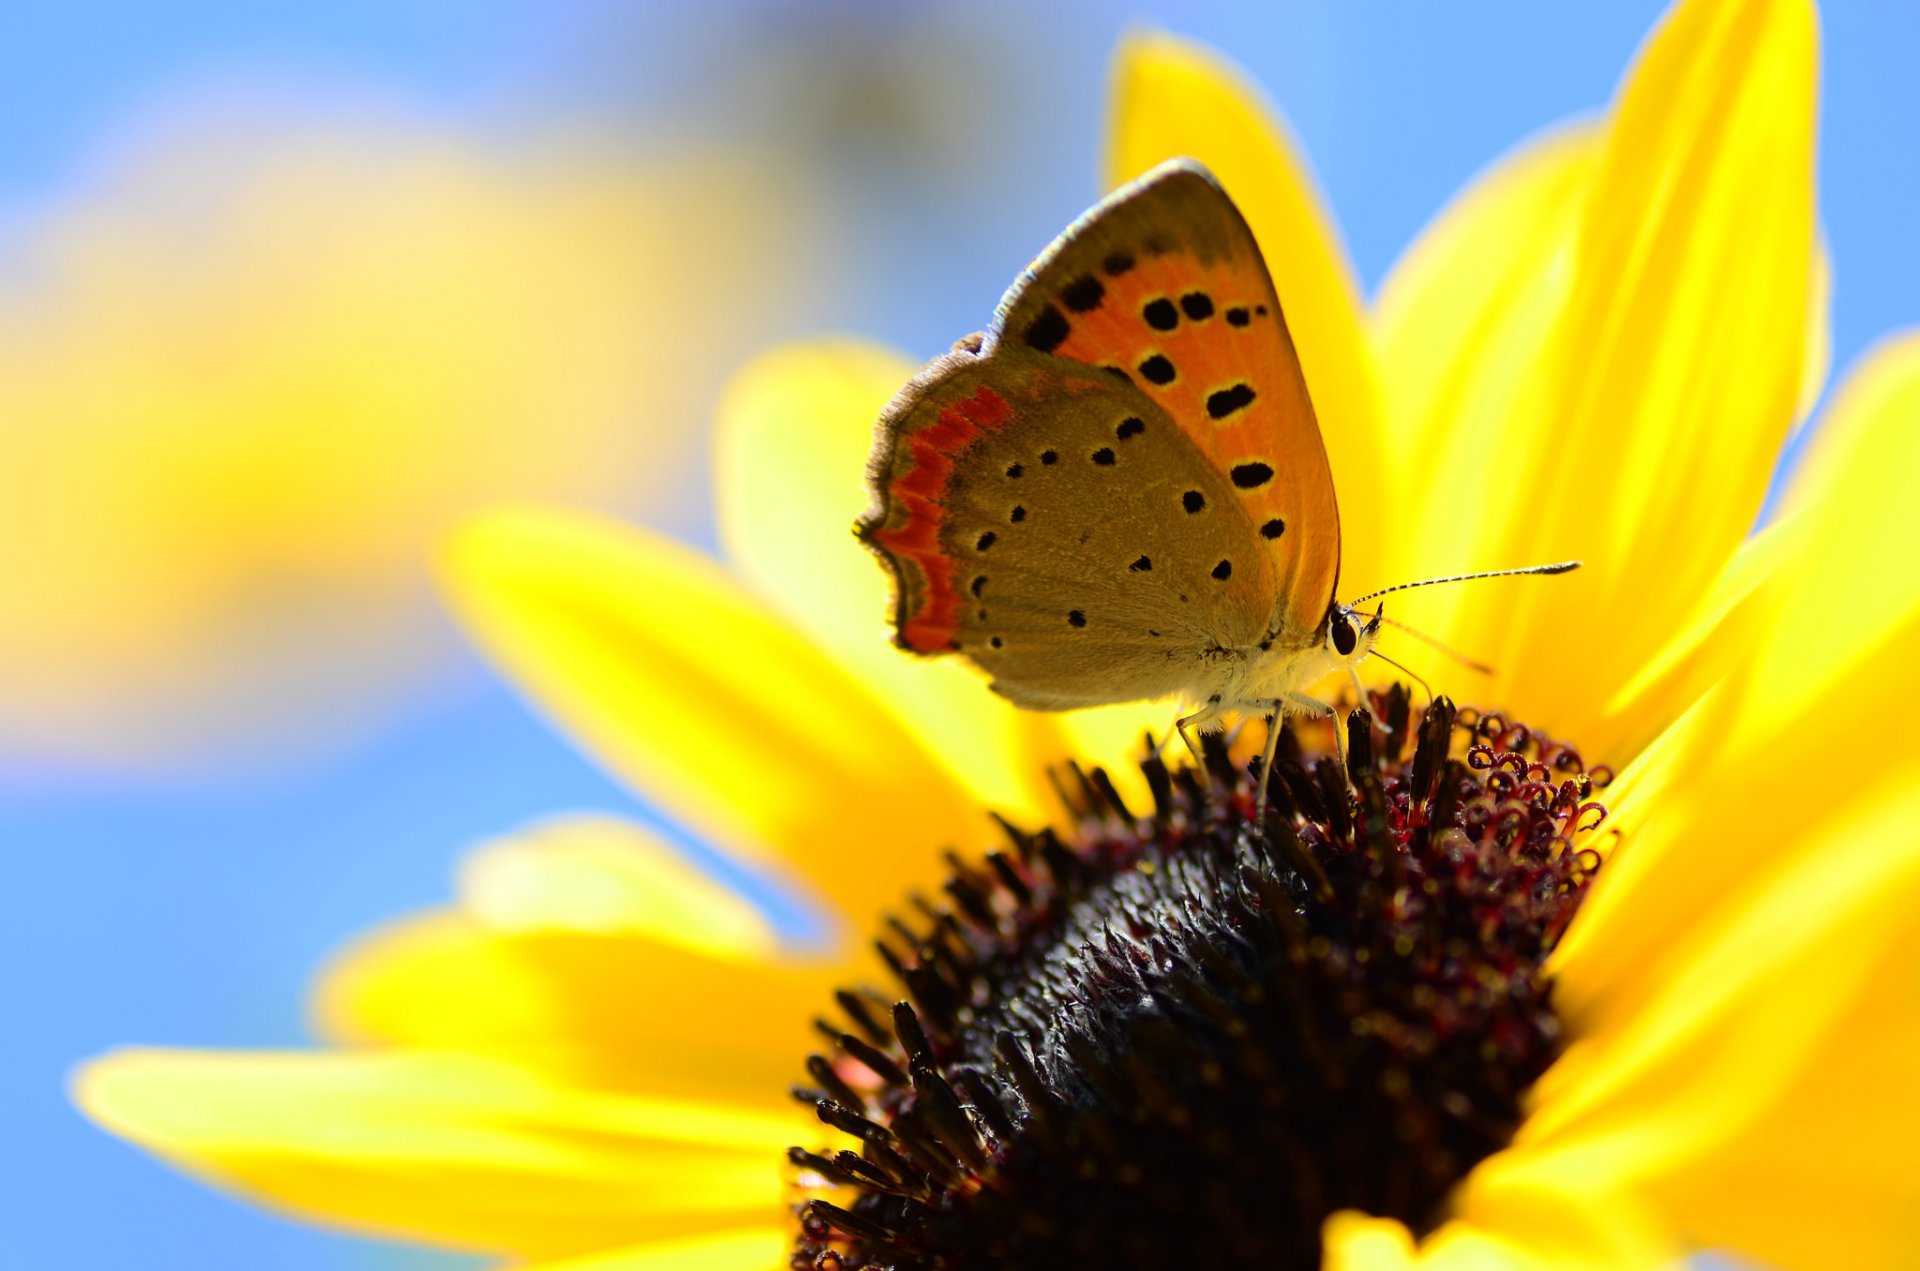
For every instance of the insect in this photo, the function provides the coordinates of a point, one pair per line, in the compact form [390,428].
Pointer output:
[1119,491]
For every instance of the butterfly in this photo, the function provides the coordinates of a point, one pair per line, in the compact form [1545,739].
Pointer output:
[1119,491]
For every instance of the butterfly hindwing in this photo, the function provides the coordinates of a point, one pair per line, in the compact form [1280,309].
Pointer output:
[1163,283]
[1054,524]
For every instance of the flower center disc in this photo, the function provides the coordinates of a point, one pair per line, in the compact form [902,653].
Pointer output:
[1181,1039]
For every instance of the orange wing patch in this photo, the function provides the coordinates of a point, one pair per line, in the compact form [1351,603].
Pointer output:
[1188,330]
[928,616]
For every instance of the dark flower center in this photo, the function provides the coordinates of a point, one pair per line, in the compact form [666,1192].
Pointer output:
[1184,1040]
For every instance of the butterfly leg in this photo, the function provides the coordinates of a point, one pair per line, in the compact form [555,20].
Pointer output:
[1193,747]
[1207,714]
[1265,773]
[1314,706]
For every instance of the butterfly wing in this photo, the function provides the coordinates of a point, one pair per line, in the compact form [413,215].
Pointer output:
[1164,283]
[1051,522]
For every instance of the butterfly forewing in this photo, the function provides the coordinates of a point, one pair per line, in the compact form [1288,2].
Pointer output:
[1052,523]
[1164,284]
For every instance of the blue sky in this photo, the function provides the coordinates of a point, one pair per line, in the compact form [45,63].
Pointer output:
[192,912]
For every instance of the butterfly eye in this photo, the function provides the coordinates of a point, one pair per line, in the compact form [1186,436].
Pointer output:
[1340,631]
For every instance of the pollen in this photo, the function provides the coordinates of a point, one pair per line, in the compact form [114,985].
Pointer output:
[1173,1037]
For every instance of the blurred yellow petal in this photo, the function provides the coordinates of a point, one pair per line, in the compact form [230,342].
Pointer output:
[683,685]
[616,1011]
[795,431]
[446,1149]
[758,1249]
[565,960]
[1114,736]
[287,354]
[599,874]
[1819,345]
[1677,364]
[1356,1242]
[1172,97]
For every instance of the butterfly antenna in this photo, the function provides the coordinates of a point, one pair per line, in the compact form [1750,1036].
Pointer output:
[1409,670]
[1430,642]
[1558,567]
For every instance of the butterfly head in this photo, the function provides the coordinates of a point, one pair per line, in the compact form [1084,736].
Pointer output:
[1350,634]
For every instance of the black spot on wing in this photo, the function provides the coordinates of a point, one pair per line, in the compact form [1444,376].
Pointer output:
[1018,514]
[1142,565]
[1273,529]
[1197,305]
[1238,316]
[1131,426]
[1083,294]
[1223,571]
[985,541]
[1157,370]
[1228,400]
[1016,470]
[978,585]
[1251,476]
[1117,263]
[1048,331]
[1049,456]
[1075,618]
[1193,501]
[1160,314]
[1104,456]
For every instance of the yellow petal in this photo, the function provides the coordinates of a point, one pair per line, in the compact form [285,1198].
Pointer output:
[444,1149]
[682,684]
[589,950]
[1857,579]
[795,431]
[1677,362]
[1764,1053]
[1824,1175]
[1714,636]
[756,1249]
[1358,1242]
[1838,632]
[1171,98]
[1552,1208]
[1460,324]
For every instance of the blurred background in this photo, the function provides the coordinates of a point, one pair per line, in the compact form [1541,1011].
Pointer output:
[285,290]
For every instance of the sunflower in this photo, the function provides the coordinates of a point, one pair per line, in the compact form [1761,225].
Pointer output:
[1697,1044]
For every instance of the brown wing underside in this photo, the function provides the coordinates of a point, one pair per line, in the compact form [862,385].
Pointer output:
[1094,554]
